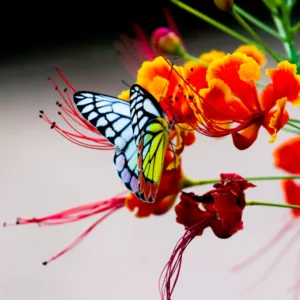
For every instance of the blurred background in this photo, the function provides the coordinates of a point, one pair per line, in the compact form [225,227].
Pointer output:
[41,173]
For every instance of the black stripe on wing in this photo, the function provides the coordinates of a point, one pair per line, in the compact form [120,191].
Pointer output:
[143,108]
[110,115]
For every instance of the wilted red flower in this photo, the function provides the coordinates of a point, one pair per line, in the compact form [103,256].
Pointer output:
[223,209]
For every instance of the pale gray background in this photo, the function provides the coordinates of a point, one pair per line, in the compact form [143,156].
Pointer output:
[41,173]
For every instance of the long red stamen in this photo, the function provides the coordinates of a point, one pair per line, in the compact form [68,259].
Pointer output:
[296,287]
[81,237]
[274,263]
[173,266]
[76,214]
[77,125]
[62,76]
[275,240]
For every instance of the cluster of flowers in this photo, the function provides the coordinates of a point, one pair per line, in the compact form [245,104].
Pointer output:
[216,94]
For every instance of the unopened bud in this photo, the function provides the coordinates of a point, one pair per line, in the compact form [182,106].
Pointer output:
[167,41]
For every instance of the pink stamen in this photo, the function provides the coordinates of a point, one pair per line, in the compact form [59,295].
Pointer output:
[75,122]
[141,43]
[133,52]
[173,266]
[62,76]
[76,214]
[275,240]
[273,265]
[297,280]
[81,237]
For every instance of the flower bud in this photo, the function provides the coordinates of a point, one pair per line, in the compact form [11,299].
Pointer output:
[225,5]
[167,41]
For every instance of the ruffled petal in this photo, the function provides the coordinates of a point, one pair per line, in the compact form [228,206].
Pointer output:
[238,72]
[254,52]
[276,119]
[286,82]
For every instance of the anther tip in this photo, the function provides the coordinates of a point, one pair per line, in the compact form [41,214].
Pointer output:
[44,263]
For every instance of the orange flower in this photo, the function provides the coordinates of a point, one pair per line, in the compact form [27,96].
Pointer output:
[232,98]
[164,84]
[252,51]
[195,73]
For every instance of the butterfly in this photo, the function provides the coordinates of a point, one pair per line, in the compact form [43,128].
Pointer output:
[138,129]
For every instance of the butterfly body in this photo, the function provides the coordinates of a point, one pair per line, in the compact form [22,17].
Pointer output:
[139,131]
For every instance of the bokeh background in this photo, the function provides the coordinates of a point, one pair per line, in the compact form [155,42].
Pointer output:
[41,173]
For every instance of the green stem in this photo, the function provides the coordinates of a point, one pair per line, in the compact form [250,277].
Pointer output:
[272,204]
[186,56]
[278,24]
[213,22]
[285,30]
[294,120]
[291,131]
[254,35]
[190,182]
[260,84]
[293,125]
[257,22]
[296,27]
[286,22]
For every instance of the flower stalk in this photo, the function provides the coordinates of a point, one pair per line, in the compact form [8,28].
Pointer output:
[190,182]
[213,22]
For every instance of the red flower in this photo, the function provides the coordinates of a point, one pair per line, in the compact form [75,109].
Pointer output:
[223,209]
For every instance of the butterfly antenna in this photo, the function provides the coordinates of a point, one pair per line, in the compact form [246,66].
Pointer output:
[125,83]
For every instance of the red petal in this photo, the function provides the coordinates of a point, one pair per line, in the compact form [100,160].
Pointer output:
[286,156]
[188,211]
[291,195]
[244,139]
